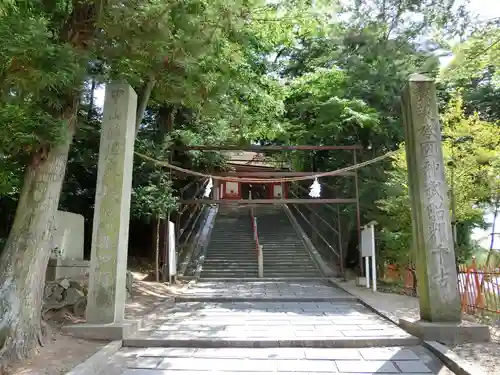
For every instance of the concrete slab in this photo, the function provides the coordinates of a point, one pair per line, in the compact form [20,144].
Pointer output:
[270,324]
[341,298]
[111,332]
[282,361]
[458,365]
[448,333]
[259,336]
[289,289]
[95,364]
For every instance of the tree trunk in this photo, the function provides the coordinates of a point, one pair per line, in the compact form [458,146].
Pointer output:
[157,252]
[23,262]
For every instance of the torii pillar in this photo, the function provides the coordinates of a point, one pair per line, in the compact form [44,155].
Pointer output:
[439,297]
[105,313]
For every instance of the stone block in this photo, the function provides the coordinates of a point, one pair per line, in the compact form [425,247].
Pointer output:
[393,353]
[144,362]
[333,354]
[431,223]
[366,366]
[109,332]
[448,333]
[96,363]
[68,236]
[67,268]
[108,265]
[413,367]
[129,281]
[455,363]
[361,281]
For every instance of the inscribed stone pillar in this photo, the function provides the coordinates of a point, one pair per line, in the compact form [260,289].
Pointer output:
[108,265]
[432,233]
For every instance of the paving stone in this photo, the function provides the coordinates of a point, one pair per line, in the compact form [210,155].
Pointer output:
[168,352]
[149,372]
[366,367]
[269,289]
[144,362]
[412,366]
[281,321]
[332,354]
[306,366]
[394,354]
[261,337]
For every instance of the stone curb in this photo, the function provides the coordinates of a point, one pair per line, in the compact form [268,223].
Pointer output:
[264,299]
[456,364]
[338,342]
[206,233]
[96,363]
[392,318]
[325,270]
[258,279]
[196,242]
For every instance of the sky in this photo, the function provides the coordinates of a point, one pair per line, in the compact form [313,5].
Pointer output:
[485,9]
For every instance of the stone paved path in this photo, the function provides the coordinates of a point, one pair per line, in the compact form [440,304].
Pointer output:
[259,336]
[294,290]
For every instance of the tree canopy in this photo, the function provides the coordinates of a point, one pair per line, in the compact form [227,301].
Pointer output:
[231,72]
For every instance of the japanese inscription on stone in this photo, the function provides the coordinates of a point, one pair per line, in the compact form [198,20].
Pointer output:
[433,187]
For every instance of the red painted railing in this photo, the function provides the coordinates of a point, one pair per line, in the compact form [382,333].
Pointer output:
[480,289]
[479,286]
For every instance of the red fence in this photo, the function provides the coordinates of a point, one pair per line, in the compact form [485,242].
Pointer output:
[479,286]
[479,289]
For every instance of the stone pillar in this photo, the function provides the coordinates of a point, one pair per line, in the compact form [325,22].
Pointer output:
[108,265]
[432,233]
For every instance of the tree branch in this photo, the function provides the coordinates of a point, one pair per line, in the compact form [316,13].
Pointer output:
[143,101]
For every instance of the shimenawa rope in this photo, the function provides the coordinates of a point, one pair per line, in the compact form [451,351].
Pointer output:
[267,180]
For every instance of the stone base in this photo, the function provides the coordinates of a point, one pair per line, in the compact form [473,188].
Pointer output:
[67,268]
[109,332]
[447,333]
[361,281]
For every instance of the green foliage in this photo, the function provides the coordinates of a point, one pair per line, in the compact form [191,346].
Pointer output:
[154,199]
[231,72]
[471,150]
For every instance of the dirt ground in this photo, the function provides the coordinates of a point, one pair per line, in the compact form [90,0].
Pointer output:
[62,353]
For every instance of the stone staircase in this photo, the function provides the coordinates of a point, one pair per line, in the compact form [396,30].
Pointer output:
[231,252]
[285,255]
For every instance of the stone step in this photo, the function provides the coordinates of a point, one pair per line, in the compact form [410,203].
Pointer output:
[231,251]
[259,361]
[236,276]
[250,256]
[148,340]
[343,323]
[266,270]
[231,248]
[233,265]
[227,260]
[253,260]
[254,275]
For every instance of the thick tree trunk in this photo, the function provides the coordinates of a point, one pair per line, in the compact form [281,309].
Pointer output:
[23,262]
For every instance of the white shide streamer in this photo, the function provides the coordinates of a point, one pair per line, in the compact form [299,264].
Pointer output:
[315,189]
